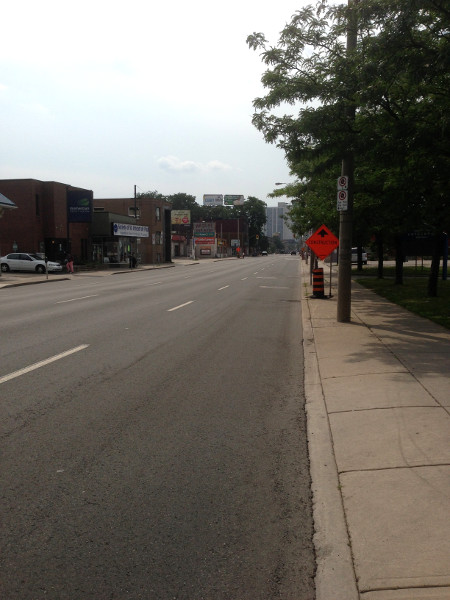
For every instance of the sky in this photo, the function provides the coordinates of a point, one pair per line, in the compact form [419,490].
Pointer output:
[108,95]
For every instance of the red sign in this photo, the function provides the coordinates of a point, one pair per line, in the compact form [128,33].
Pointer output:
[322,242]
[205,240]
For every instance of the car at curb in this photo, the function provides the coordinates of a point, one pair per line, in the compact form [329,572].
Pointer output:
[29,262]
[355,256]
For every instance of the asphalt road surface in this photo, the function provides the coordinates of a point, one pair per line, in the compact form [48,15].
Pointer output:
[153,440]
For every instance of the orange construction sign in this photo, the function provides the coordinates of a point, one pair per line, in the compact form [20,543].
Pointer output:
[322,242]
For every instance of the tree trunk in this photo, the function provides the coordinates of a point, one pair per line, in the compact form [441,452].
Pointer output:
[434,274]
[380,249]
[359,257]
[399,258]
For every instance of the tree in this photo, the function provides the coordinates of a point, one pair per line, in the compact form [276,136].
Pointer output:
[182,201]
[398,78]
[255,211]
[276,243]
[154,194]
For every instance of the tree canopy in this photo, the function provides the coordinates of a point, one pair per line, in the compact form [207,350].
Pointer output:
[397,80]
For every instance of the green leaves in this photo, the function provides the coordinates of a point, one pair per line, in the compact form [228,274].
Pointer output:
[388,101]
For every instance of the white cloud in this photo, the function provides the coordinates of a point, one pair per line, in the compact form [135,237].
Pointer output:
[174,164]
[216,165]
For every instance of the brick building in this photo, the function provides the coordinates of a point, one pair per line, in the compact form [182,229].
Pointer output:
[55,218]
[51,217]
[152,247]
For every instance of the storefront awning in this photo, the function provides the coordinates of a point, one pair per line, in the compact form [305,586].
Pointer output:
[6,202]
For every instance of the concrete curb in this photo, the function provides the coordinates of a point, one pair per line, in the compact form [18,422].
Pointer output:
[335,575]
[16,280]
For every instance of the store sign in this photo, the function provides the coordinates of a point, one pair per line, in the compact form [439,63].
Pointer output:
[205,240]
[230,200]
[79,206]
[180,217]
[204,229]
[130,230]
[212,200]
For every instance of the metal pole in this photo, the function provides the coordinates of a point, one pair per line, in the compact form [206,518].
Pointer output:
[444,257]
[135,220]
[346,216]
[331,264]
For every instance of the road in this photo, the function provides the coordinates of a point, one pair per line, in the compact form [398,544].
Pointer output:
[153,436]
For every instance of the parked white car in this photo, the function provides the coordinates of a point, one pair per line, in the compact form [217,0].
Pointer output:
[20,261]
[355,256]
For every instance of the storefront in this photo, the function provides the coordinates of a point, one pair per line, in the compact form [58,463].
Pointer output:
[115,238]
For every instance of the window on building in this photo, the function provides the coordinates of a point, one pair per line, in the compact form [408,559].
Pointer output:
[157,237]
[158,213]
[134,211]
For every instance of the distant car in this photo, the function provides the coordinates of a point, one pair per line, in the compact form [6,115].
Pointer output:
[355,256]
[19,261]
[293,253]
[264,253]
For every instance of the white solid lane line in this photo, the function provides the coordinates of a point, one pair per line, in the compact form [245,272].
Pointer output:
[74,299]
[42,363]
[223,288]
[179,306]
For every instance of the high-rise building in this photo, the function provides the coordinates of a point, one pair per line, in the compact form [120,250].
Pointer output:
[276,224]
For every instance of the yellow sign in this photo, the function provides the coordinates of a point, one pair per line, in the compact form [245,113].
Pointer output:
[180,217]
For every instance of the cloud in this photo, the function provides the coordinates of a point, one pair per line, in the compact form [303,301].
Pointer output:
[216,165]
[174,164]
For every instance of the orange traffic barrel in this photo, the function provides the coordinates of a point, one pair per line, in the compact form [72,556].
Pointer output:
[318,289]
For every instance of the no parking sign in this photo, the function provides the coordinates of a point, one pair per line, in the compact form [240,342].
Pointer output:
[342,196]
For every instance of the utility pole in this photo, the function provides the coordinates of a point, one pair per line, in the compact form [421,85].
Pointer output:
[135,220]
[346,216]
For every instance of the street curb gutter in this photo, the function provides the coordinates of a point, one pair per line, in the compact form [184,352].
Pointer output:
[34,282]
[335,575]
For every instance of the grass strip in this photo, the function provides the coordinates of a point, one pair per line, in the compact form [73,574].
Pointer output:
[412,295]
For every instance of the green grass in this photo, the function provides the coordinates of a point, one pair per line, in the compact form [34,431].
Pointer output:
[389,271]
[412,295]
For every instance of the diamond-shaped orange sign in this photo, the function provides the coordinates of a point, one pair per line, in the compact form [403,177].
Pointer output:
[322,242]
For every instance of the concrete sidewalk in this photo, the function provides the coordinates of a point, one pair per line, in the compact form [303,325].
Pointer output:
[378,400]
